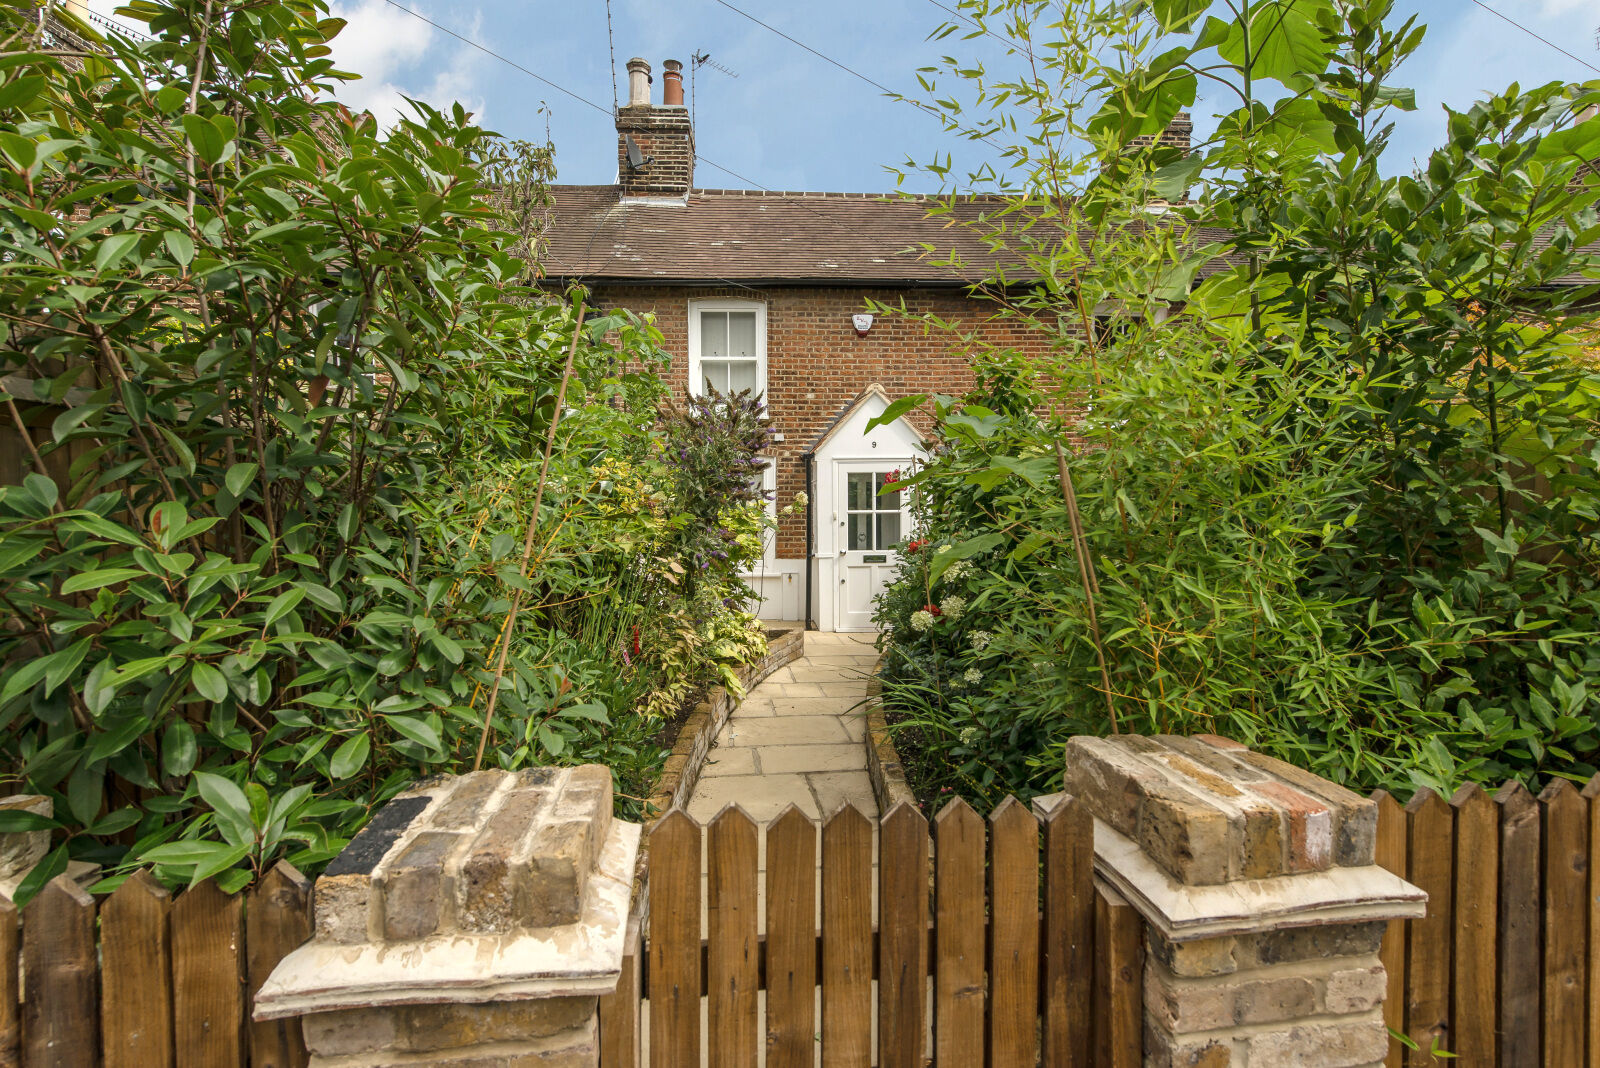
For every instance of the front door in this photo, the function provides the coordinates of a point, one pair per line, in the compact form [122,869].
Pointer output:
[870,522]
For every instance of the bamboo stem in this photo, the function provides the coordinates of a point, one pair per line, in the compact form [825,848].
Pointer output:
[1091,585]
[527,544]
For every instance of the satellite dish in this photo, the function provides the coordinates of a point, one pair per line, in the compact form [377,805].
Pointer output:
[637,160]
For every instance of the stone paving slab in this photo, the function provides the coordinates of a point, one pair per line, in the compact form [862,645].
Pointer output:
[808,758]
[797,738]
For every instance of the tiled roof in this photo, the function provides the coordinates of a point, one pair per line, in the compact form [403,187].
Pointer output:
[741,235]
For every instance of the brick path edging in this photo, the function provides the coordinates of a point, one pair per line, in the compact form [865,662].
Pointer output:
[682,770]
[889,783]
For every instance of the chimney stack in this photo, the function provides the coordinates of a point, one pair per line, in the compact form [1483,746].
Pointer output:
[638,83]
[672,87]
[655,143]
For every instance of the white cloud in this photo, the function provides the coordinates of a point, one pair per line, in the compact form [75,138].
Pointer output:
[399,55]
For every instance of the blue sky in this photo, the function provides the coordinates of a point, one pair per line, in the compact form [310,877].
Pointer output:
[792,121]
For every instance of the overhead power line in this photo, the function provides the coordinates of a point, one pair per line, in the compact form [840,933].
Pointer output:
[490,52]
[1535,36]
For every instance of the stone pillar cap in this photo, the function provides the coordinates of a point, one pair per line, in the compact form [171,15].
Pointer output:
[1206,838]
[493,886]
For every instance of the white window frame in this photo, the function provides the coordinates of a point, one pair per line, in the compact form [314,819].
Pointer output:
[757,306]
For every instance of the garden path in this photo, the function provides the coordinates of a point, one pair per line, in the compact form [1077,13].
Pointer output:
[798,737]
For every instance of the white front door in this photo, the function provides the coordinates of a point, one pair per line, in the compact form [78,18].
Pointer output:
[870,522]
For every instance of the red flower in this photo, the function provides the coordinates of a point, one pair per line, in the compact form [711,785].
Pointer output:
[915,545]
[932,610]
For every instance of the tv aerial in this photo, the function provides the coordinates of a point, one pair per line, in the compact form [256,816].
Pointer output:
[703,59]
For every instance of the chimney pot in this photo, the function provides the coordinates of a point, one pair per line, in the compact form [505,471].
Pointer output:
[672,83]
[638,82]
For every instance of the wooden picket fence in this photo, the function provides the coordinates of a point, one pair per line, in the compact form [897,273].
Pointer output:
[999,930]
[145,979]
[1505,969]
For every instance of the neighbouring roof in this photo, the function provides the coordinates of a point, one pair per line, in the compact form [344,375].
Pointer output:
[744,235]
[756,236]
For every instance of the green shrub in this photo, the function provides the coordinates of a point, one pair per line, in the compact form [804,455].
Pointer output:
[1342,505]
[290,404]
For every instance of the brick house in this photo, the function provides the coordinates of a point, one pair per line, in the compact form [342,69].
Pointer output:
[762,291]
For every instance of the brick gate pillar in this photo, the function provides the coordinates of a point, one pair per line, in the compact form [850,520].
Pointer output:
[1263,908]
[473,922]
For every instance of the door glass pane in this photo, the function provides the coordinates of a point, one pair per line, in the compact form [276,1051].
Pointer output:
[858,490]
[715,374]
[887,501]
[741,375]
[888,529]
[860,531]
[713,334]
[741,331]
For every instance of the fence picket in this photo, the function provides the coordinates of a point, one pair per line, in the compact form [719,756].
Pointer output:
[1476,892]
[136,967]
[847,940]
[1591,795]
[209,1006]
[1430,850]
[675,941]
[277,919]
[731,975]
[619,1010]
[10,988]
[791,940]
[1566,916]
[1390,853]
[1119,982]
[902,936]
[1519,926]
[1014,938]
[1068,935]
[61,1009]
[960,920]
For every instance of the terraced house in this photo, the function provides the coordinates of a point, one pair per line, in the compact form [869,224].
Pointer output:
[770,292]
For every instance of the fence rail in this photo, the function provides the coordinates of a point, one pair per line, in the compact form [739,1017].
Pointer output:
[995,927]
[143,979]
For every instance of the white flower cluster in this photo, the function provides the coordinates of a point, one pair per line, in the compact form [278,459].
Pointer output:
[972,676]
[952,607]
[958,570]
[969,735]
[980,640]
[921,620]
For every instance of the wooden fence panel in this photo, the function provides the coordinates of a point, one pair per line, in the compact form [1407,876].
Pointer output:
[1014,935]
[731,902]
[791,940]
[277,919]
[136,962]
[208,961]
[847,940]
[902,937]
[1390,853]
[1566,920]
[1119,983]
[1520,978]
[961,920]
[1068,915]
[10,989]
[1430,848]
[675,941]
[1476,892]
[61,1010]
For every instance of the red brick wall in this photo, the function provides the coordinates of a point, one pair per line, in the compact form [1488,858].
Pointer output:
[816,365]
